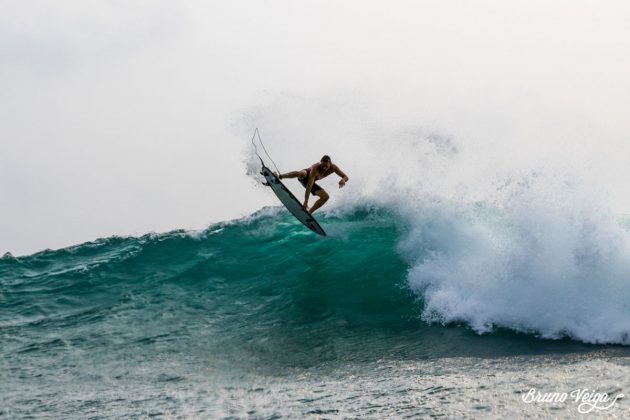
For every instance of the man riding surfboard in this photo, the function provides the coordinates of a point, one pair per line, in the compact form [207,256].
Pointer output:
[308,176]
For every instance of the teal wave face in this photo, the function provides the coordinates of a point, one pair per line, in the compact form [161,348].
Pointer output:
[261,292]
[264,283]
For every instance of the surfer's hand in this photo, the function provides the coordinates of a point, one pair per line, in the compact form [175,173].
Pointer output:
[342,183]
[305,205]
[279,176]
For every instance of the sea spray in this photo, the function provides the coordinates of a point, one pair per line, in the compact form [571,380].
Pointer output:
[549,260]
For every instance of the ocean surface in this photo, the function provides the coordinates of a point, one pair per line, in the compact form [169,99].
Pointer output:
[455,316]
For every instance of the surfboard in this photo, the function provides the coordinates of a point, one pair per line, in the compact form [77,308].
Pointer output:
[290,202]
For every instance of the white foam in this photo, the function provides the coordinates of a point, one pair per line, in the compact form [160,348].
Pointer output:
[549,260]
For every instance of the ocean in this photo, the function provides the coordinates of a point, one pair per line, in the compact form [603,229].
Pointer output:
[455,314]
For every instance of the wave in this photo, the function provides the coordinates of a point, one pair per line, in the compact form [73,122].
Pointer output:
[383,275]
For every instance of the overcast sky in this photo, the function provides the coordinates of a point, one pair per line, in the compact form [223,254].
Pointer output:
[125,117]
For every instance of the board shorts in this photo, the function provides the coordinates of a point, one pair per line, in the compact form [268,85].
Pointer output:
[304,180]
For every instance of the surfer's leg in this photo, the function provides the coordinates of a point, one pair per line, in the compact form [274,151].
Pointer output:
[293,174]
[323,197]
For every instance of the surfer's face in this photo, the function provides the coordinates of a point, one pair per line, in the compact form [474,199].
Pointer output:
[325,166]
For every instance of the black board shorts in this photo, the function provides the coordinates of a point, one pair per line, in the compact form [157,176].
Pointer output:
[314,188]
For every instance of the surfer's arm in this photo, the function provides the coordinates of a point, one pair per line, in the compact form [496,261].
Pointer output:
[344,177]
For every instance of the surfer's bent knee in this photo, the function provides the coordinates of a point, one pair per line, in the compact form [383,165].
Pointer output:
[323,195]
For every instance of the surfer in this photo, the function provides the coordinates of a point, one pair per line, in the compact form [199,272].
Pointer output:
[308,176]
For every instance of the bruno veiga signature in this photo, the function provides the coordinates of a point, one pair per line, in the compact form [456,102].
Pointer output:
[588,400]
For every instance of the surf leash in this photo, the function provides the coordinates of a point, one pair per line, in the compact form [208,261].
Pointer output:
[257,133]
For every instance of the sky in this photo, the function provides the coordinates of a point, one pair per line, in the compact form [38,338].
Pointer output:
[122,118]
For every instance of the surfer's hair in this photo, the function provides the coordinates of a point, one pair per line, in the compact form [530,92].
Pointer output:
[325,158]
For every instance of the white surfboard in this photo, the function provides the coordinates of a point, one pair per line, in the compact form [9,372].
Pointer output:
[290,202]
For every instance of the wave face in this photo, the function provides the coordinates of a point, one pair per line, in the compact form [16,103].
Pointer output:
[272,290]
[258,288]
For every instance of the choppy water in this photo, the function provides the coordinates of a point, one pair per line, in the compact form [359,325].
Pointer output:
[260,318]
